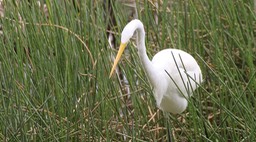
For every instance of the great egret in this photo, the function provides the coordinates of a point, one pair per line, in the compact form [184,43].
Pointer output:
[173,73]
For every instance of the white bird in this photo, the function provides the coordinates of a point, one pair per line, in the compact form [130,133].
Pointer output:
[173,73]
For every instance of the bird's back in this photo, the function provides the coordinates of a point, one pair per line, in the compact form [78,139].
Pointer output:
[172,57]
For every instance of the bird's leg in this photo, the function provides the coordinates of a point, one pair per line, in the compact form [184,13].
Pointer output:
[168,128]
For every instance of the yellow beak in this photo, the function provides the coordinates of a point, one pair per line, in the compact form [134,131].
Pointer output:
[118,56]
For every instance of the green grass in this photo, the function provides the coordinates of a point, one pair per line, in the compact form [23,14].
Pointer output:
[54,73]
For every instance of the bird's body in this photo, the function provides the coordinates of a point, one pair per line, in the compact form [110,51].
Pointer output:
[173,74]
[174,68]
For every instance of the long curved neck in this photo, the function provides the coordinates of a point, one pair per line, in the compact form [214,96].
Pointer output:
[147,64]
[141,44]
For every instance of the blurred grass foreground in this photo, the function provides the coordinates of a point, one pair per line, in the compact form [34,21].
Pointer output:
[55,61]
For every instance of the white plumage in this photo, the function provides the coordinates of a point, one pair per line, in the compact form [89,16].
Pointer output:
[173,74]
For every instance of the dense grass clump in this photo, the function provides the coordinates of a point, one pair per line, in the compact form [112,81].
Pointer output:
[54,69]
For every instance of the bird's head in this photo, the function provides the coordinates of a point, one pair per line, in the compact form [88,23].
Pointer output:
[127,32]
[126,35]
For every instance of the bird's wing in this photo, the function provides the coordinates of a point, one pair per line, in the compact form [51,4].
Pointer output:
[181,69]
